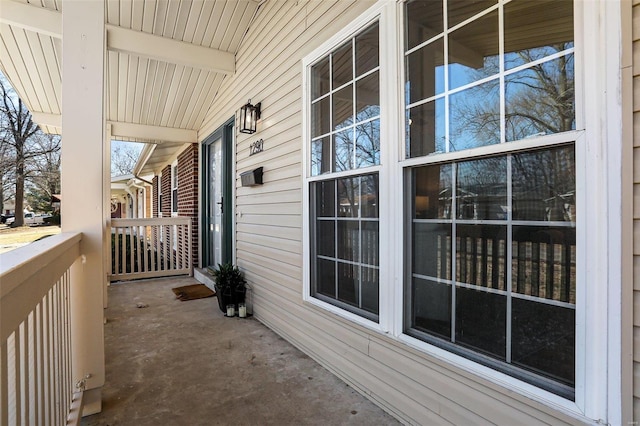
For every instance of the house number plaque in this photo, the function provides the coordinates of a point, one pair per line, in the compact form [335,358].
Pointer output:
[256,147]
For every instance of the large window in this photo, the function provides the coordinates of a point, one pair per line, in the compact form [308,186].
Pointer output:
[345,138]
[492,238]
[455,197]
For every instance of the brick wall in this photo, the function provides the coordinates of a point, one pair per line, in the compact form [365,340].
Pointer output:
[165,185]
[154,195]
[188,193]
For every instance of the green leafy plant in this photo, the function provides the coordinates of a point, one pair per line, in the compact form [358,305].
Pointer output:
[230,284]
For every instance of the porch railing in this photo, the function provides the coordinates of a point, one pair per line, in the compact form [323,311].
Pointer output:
[35,335]
[153,247]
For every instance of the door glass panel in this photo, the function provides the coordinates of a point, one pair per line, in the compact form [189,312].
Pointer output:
[214,201]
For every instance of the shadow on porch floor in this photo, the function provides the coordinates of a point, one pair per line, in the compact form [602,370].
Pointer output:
[184,363]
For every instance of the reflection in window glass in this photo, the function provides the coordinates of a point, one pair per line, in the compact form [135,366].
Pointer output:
[544,185]
[481,190]
[368,144]
[433,194]
[343,150]
[424,20]
[321,156]
[431,307]
[367,47]
[425,72]
[343,108]
[426,129]
[341,66]
[534,29]
[320,78]
[491,233]
[472,57]
[543,339]
[368,97]
[460,10]
[540,100]
[345,119]
[474,117]
[347,275]
[320,123]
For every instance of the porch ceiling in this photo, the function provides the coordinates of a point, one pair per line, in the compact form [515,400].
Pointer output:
[165,61]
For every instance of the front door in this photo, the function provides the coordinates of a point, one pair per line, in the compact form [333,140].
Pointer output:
[217,193]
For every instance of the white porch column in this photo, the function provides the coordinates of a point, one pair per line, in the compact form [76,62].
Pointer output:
[83,174]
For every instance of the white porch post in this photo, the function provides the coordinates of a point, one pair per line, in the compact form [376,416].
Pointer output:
[83,205]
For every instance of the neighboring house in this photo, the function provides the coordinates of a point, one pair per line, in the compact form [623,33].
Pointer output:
[446,219]
[129,197]
[9,207]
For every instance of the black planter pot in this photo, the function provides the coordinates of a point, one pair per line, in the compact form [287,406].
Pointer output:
[229,297]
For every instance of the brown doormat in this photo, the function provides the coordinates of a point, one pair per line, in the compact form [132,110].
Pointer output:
[193,291]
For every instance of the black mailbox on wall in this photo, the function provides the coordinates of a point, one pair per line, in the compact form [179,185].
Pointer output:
[251,177]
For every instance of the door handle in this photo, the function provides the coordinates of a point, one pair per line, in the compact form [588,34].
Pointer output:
[221,205]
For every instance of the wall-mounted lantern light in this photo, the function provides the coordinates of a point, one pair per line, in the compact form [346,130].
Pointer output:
[249,115]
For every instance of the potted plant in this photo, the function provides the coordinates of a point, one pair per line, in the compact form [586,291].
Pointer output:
[230,285]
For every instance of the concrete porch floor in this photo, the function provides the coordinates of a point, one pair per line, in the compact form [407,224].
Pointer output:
[184,363]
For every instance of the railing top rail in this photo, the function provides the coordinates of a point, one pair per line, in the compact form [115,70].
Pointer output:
[28,273]
[19,265]
[178,220]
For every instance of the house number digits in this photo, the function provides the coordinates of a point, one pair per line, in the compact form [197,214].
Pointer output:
[255,147]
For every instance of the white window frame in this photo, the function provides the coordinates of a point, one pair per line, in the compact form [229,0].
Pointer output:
[174,187]
[362,22]
[598,149]
[159,194]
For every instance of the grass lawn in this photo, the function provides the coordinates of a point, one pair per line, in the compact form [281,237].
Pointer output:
[12,238]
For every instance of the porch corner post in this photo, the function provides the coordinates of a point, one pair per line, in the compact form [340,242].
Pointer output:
[83,174]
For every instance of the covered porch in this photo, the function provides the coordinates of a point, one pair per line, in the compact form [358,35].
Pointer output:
[176,362]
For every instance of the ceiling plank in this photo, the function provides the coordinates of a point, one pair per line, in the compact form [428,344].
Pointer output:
[31,18]
[156,133]
[168,50]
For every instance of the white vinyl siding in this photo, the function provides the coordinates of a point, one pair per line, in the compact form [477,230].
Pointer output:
[416,387]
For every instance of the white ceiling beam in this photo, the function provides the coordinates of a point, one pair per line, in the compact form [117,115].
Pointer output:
[167,50]
[128,130]
[152,133]
[49,22]
[32,18]
[47,119]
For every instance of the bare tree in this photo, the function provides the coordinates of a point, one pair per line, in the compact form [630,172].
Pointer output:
[44,173]
[17,128]
[124,156]
[23,145]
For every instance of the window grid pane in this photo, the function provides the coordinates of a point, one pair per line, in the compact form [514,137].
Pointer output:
[493,245]
[345,255]
[491,93]
[345,106]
